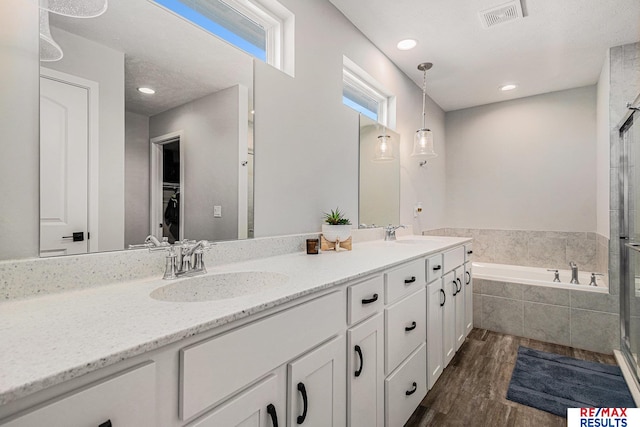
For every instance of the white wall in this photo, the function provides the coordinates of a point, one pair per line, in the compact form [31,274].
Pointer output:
[19,95]
[136,185]
[211,128]
[603,150]
[89,60]
[527,164]
[306,140]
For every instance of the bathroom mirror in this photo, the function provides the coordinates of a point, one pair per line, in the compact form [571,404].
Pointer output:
[178,161]
[379,195]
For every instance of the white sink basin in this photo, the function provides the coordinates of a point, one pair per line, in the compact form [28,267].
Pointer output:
[216,287]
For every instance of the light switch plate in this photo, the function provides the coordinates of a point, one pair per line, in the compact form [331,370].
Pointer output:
[217,211]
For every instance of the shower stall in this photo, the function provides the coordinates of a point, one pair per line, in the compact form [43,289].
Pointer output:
[629,176]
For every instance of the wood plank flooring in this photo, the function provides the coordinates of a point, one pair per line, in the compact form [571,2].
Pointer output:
[472,391]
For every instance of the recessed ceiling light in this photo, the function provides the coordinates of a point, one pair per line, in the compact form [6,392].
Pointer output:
[146,90]
[507,87]
[407,44]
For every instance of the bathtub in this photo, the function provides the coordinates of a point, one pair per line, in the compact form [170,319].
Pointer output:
[536,276]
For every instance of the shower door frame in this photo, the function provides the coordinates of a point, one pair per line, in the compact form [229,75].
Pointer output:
[626,241]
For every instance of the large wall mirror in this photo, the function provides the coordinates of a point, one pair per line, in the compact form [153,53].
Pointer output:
[118,164]
[379,200]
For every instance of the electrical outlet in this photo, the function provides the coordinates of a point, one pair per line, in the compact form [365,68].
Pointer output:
[217,211]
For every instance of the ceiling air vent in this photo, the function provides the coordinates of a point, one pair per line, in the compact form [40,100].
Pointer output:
[500,14]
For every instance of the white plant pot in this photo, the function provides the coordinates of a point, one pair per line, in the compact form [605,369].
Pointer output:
[336,232]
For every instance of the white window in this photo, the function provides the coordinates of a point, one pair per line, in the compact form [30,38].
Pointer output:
[262,28]
[364,94]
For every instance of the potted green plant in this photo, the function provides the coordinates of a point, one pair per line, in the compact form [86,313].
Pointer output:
[336,227]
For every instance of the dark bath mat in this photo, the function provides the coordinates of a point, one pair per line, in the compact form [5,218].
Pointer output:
[553,383]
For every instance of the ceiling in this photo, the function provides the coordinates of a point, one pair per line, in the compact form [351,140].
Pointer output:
[181,61]
[559,44]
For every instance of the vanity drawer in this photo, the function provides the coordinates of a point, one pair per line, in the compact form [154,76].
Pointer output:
[405,388]
[364,299]
[468,252]
[434,268]
[126,399]
[403,280]
[453,259]
[214,369]
[405,328]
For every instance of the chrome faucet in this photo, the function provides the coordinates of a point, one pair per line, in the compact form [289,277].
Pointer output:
[556,275]
[574,273]
[390,231]
[185,258]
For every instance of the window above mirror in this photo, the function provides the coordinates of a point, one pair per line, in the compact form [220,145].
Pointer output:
[364,94]
[262,28]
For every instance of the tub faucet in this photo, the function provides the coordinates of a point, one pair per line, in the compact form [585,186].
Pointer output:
[574,273]
[556,275]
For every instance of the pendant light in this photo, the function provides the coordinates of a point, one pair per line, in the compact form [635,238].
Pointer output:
[75,8]
[50,51]
[384,148]
[423,140]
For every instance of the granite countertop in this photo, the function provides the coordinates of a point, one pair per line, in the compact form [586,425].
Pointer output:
[53,338]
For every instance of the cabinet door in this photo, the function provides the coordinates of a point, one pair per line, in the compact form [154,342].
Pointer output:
[468,298]
[435,307]
[365,373]
[127,399]
[405,328]
[316,389]
[449,286]
[460,311]
[262,405]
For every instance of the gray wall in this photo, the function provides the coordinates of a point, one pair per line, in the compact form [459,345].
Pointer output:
[92,61]
[525,164]
[211,128]
[307,141]
[136,185]
[19,95]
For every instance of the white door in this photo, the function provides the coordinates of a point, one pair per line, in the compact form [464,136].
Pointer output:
[435,304]
[63,168]
[468,298]
[460,312]
[317,387]
[365,373]
[449,285]
[263,405]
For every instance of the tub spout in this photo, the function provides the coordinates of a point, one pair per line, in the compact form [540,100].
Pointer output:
[574,273]
[556,275]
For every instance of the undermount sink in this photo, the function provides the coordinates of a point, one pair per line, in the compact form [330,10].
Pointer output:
[221,286]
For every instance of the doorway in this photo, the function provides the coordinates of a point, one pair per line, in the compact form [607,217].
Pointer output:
[167,187]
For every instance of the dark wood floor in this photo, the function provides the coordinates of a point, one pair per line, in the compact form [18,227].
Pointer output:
[472,391]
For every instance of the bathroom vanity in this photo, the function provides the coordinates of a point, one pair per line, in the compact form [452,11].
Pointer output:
[352,338]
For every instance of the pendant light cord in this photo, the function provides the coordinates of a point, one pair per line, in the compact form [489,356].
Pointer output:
[424,100]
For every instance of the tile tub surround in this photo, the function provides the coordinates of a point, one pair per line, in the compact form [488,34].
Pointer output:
[574,318]
[103,325]
[548,249]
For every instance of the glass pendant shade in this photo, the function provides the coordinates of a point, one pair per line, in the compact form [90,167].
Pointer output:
[75,8]
[49,50]
[423,144]
[384,149]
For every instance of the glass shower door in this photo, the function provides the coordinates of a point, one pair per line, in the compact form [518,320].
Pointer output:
[630,242]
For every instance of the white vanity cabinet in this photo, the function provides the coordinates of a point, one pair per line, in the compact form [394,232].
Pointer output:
[365,373]
[125,399]
[468,288]
[316,387]
[262,405]
[459,301]
[436,299]
[449,287]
